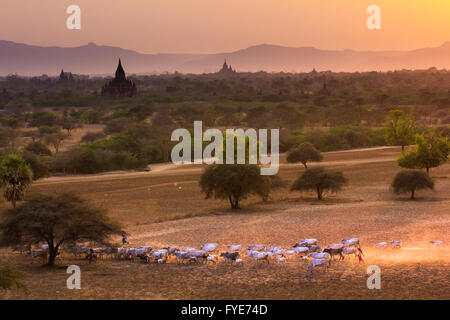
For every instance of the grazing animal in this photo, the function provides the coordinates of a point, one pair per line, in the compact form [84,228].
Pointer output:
[237,247]
[334,252]
[182,256]
[301,251]
[289,253]
[336,246]
[318,262]
[259,256]
[382,245]
[39,253]
[348,251]
[309,242]
[396,244]
[78,250]
[172,250]
[350,242]
[280,260]
[159,254]
[277,251]
[26,248]
[259,247]
[315,248]
[209,247]
[230,256]
[323,255]
[212,258]
[436,243]
[122,253]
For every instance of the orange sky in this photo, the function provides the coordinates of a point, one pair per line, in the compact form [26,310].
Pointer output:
[206,26]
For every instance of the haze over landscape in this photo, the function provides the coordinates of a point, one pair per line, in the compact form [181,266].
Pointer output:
[95,59]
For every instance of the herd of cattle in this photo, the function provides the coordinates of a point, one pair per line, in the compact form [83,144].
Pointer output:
[307,249]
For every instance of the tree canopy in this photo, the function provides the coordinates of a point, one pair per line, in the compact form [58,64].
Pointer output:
[430,152]
[400,129]
[320,180]
[408,181]
[304,153]
[15,177]
[234,182]
[54,220]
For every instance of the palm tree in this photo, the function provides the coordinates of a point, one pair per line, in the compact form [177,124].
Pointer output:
[15,177]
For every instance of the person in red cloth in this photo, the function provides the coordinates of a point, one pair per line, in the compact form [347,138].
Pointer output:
[360,255]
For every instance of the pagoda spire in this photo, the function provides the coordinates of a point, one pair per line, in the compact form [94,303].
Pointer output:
[120,73]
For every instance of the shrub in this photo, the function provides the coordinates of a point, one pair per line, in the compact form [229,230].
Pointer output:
[38,148]
[320,180]
[234,182]
[411,180]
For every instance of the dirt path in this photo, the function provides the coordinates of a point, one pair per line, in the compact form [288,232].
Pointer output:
[162,168]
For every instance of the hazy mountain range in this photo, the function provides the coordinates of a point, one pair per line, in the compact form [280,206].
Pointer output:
[91,59]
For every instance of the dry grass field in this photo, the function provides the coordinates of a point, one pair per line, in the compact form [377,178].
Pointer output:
[158,213]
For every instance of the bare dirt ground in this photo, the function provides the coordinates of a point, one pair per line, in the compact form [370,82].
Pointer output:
[157,213]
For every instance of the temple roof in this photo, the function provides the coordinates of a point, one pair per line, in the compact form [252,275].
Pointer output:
[120,73]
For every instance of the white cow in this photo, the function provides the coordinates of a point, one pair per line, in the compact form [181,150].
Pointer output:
[322,255]
[318,262]
[237,247]
[209,247]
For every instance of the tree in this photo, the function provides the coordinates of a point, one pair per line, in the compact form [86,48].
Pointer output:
[10,277]
[69,124]
[400,129]
[37,164]
[431,151]
[320,180]
[38,148]
[411,180]
[55,139]
[234,182]
[304,153]
[54,220]
[359,101]
[16,176]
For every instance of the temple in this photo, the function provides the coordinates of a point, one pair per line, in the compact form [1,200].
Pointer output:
[120,86]
[65,76]
[226,70]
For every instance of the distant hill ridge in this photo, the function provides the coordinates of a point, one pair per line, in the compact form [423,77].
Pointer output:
[91,59]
